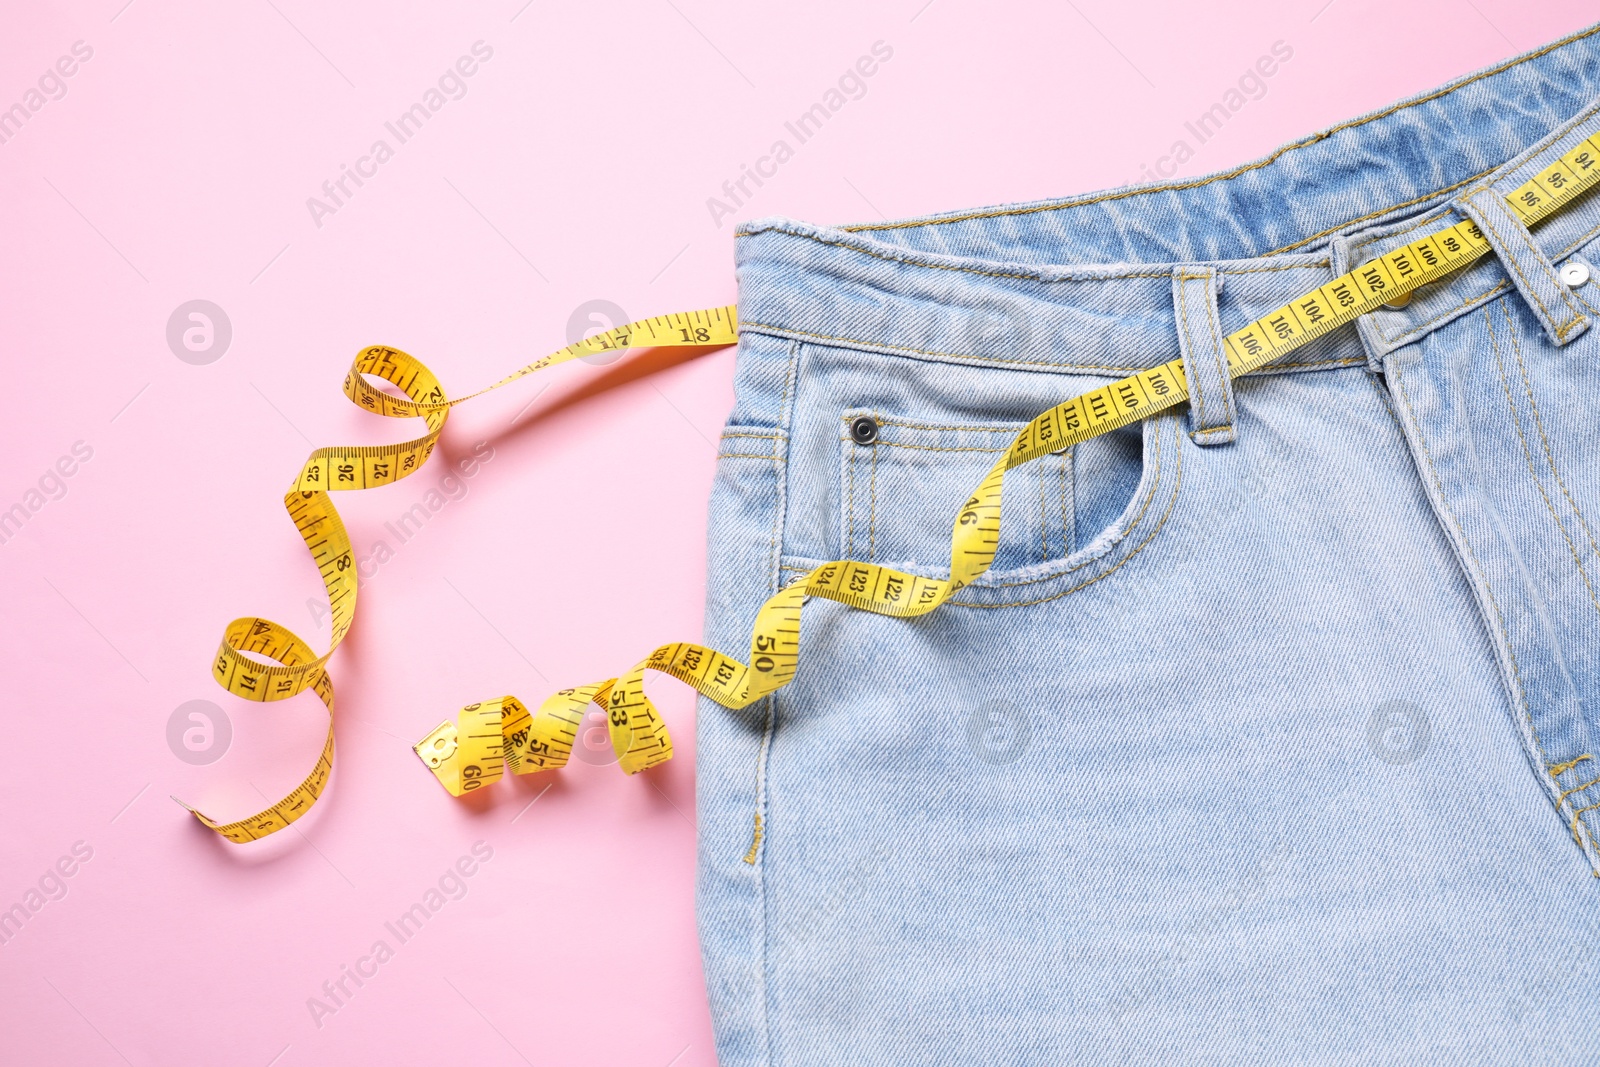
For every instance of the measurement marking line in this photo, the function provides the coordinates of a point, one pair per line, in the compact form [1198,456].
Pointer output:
[304,838]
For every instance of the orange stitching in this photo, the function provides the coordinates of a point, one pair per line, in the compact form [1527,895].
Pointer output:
[755,843]
[935,448]
[907,257]
[1581,240]
[1062,205]
[1562,768]
[1273,368]
[943,355]
[850,496]
[775,565]
[1577,821]
[1066,533]
[1216,350]
[774,556]
[1527,453]
[1419,328]
[1127,531]
[872,516]
[1195,390]
[1321,264]
[1549,456]
[1387,211]
[1516,670]
[1044,527]
[1577,789]
[929,448]
[1414,330]
[1522,698]
[1177,489]
[752,455]
[1579,298]
[1527,286]
[1010,431]
[1313,139]
[1129,526]
[1428,218]
[1525,236]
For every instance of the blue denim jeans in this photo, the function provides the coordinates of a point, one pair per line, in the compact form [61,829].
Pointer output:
[1273,735]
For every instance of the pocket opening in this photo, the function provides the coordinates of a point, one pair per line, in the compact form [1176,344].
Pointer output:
[899,495]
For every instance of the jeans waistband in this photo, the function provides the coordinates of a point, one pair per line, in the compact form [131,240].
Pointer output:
[1084,285]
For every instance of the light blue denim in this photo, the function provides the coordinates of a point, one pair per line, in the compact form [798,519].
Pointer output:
[1273,735]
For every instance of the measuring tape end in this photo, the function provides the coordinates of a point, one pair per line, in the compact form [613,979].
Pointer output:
[438,746]
[203,819]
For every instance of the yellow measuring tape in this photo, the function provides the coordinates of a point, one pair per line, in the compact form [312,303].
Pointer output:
[293,667]
[474,749]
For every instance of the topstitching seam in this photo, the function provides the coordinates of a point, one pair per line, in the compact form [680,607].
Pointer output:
[1171,503]
[1527,455]
[1264,161]
[775,330]
[1189,352]
[1216,351]
[1549,453]
[1574,316]
[1522,696]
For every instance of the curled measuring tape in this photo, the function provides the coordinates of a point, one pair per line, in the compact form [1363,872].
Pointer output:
[263,660]
[473,750]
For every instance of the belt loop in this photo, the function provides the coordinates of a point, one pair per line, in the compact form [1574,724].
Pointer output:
[1535,276]
[1205,362]
[1342,255]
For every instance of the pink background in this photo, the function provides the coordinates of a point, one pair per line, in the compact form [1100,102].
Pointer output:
[577,167]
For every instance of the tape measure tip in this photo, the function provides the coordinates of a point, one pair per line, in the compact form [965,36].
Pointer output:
[439,745]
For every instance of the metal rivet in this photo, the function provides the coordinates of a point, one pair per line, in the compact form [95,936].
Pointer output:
[864,429]
[1575,274]
[1399,302]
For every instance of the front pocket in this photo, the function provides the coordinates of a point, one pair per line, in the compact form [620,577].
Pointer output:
[900,493]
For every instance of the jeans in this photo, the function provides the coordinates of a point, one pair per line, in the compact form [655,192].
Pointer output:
[1273,734]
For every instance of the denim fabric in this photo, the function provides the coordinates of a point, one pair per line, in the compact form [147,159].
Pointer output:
[1273,735]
